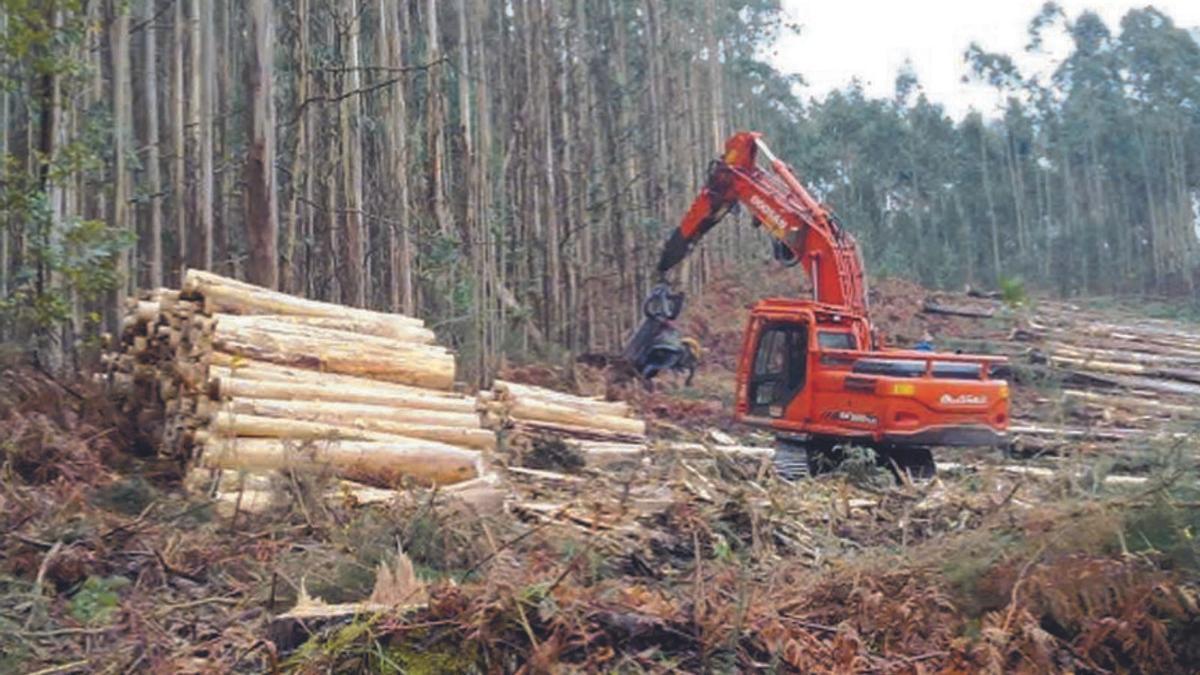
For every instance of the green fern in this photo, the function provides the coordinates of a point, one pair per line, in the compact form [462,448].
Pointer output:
[1012,291]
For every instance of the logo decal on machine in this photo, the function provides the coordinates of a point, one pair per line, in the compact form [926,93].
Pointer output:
[851,417]
[963,399]
[774,220]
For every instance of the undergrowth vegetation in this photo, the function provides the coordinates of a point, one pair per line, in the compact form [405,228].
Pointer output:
[682,565]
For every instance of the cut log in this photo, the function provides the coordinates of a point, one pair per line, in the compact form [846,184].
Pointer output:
[1139,403]
[382,464]
[934,307]
[747,451]
[222,294]
[1181,374]
[252,369]
[1123,356]
[354,324]
[1098,366]
[531,410]
[514,392]
[419,366]
[522,426]
[230,385]
[285,326]
[245,501]
[147,312]
[349,414]
[228,423]
[1075,432]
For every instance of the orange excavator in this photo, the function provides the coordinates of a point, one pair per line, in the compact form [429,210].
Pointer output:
[814,370]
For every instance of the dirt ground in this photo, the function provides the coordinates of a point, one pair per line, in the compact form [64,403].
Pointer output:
[692,563]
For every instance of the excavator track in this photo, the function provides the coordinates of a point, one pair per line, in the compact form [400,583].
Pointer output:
[796,459]
[791,460]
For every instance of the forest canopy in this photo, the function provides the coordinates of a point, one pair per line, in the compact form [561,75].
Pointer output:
[509,170]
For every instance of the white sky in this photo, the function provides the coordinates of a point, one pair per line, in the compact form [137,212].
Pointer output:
[843,39]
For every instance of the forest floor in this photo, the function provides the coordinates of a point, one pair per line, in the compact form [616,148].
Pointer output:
[696,563]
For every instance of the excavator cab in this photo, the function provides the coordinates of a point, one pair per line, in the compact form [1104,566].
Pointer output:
[780,368]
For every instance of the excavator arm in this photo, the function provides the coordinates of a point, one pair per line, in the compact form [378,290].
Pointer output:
[807,231]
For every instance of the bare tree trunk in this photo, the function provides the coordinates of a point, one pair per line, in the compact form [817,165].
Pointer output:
[121,111]
[4,225]
[353,280]
[47,91]
[201,118]
[997,272]
[488,282]
[436,192]
[399,246]
[716,89]
[208,68]
[153,177]
[554,214]
[224,120]
[262,227]
[300,175]
[178,140]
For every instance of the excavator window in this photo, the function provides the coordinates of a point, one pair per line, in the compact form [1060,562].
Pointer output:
[780,361]
[836,339]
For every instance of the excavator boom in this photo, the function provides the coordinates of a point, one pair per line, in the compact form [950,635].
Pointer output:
[810,233]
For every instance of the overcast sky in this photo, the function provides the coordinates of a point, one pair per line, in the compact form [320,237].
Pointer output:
[843,39]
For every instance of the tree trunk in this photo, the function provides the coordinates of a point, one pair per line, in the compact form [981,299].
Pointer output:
[372,462]
[300,176]
[178,140]
[435,119]
[262,226]
[233,424]
[5,254]
[153,177]
[202,77]
[122,128]
[354,277]
[324,387]
[228,295]
[997,271]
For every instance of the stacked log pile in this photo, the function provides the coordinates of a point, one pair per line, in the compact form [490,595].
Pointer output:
[227,375]
[527,413]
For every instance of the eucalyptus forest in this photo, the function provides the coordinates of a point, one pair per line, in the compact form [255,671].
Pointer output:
[509,169]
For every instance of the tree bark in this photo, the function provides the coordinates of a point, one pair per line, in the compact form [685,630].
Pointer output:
[252,426]
[178,140]
[324,387]
[435,124]
[4,224]
[122,129]
[153,175]
[375,463]
[375,417]
[222,294]
[262,226]
[354,275]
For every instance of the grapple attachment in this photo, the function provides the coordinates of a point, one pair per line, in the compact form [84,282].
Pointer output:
[657,345]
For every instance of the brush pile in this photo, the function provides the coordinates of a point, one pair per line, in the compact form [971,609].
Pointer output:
[226,375]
